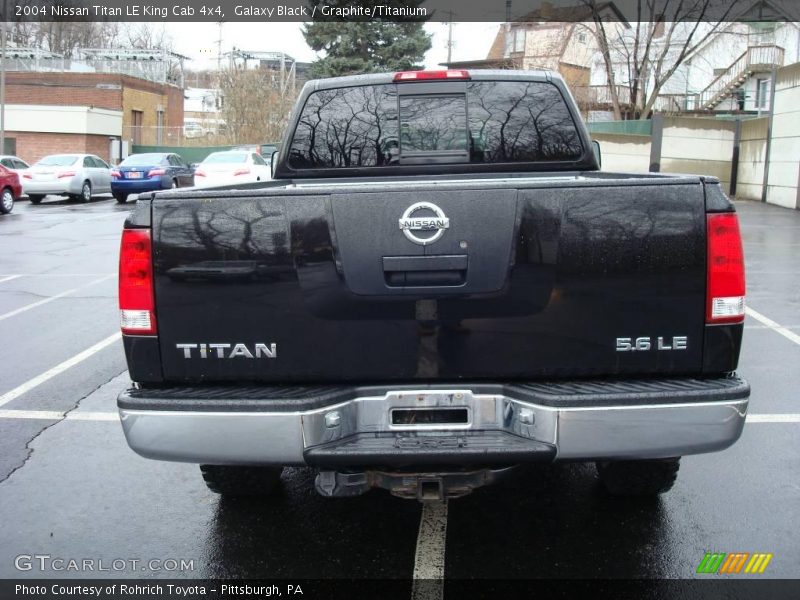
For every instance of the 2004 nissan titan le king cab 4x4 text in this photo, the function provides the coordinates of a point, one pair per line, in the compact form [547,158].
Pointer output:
[439,284]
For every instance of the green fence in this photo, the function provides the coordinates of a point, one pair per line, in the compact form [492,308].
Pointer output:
[626,127]
[191,154]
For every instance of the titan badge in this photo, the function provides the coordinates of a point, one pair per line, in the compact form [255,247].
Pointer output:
[228,350]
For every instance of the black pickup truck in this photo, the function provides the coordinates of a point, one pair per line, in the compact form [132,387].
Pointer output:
[439,284]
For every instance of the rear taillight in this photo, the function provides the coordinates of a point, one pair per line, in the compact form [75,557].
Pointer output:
[136,300]
[66,174]
[116,174]
[199,173]
[241,172]
[155,172]
[431,75]
[725,287]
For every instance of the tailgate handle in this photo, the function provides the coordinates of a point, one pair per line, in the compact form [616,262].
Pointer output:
[425,271]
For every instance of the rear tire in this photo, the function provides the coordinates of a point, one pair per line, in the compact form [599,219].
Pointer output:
[236,481]
[638,477]
[86,192]
[121,198]
[6,201]
[35,198]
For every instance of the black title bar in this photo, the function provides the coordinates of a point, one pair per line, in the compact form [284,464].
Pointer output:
[271,11]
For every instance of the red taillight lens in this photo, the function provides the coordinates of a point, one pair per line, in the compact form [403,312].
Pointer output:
[154,172]
[429,75]
[136,300]
[115,174]
[199,173]
[726,288]
[241,172]
[66,174]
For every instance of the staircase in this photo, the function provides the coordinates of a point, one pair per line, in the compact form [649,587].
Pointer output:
[755,59]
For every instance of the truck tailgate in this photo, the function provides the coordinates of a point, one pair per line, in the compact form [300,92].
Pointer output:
[530,278]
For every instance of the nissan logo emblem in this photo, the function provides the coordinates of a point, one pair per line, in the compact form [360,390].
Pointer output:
[436,222]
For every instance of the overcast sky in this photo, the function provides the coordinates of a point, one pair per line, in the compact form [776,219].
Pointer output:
[199,40]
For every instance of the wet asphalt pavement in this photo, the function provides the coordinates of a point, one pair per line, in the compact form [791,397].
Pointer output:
[71,488]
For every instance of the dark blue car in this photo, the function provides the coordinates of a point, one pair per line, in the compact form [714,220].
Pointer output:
[148,172]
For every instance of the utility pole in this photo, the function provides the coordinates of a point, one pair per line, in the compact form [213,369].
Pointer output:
[3,80]
[507,27]
[219,47]
[449,36]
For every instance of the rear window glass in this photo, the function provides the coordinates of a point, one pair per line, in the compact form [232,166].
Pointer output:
[58,160]
[433,123]
[225,158]
[494,122]
[142,160]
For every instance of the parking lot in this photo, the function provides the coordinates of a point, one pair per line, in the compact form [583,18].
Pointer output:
[71,488]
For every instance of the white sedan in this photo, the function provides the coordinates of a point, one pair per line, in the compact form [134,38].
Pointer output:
[231,167]
[78,176]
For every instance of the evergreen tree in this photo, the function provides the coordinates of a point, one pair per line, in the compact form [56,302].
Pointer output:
[370,46]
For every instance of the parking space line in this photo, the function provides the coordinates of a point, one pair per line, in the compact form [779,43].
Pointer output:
[429,558]
[789,335]
[774,418]
[9,278]
[27,307]
[55,415]
[58,369]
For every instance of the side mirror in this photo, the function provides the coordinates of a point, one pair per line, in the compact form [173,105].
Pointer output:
[597,154]
[272,160]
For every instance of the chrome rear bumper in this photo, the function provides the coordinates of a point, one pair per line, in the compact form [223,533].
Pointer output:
[636,423]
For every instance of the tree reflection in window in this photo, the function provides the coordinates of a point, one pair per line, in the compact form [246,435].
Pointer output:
[347,127]
[432,123]
[517,121]
[498,122]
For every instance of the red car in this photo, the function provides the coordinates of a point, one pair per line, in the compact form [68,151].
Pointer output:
[10,189]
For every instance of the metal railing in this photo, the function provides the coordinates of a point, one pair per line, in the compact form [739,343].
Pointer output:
[755,58]
[156,71]
[153,135]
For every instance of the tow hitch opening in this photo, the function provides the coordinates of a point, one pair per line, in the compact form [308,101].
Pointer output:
[425,487]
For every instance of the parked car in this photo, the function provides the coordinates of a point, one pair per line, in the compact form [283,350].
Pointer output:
[79,176]
[231,167]
[10,189]
[148,172]
[16,164]
[265,150]
[195,130]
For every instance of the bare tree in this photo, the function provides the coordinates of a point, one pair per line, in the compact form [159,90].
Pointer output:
[64,37]
[254,107]
[663,35]
[146,36]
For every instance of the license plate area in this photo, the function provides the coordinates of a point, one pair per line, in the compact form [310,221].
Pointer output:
[134,175]
[429,416]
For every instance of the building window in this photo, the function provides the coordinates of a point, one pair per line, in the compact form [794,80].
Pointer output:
[762,93]
[160,127]
[519,40]
[515,40]
[581,37]
[137,118]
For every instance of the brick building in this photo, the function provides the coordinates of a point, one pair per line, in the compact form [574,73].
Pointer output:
[50,111]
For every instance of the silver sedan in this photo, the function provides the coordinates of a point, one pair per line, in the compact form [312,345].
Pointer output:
[78,176]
